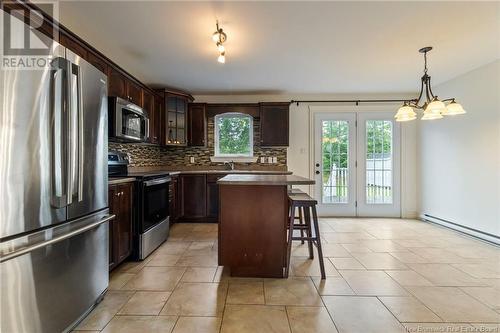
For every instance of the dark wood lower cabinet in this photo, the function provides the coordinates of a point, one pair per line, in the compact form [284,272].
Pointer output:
[120,229]
[193,189]
[213,197]
[174,199]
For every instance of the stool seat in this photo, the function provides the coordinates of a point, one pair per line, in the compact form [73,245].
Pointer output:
[304,203]
[295,191]
[302,199]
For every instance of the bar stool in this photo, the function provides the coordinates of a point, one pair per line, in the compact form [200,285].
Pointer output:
[299,217]
[304,202]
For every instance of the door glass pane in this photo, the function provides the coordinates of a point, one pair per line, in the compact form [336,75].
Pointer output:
[334,150]
[379,162]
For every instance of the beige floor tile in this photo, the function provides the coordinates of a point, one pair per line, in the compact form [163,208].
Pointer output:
[145,303]
[408,257]
[255,318]
[453,305]
[291,291]
[198,261]
[482,271]
[118,279]
[163,259]
[139,324]
[438,256]
[223,275]
[201,248]
[356,248]
[409,309]
[487,295]
[438,327]
[334,250]
[303,266]
[445,275]
[411,243]
[132,267]
[156,279]
[346,263]
[345,237]
[197,325]
[372,283]
[196,299]
[104,312]
[310,320]
[409,278]
[332,286]
[199,236]
[245,293]
[199,274]
[383,245]
[171,247]
[361,315]
[379,261]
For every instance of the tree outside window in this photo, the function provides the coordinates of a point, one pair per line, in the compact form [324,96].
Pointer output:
[233,135]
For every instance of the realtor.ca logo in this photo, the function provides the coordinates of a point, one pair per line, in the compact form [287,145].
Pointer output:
[28,41]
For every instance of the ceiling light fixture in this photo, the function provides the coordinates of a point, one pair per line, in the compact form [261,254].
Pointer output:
[219,37]
[432,106]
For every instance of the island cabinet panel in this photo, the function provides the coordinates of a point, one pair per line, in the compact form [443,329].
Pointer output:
[197,124]
[252,229]
[193,189]
[274,124]
[120,229]
[213,197]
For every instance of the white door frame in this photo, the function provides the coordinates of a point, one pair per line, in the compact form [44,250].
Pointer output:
[316,109]
[379,209]
[337,208]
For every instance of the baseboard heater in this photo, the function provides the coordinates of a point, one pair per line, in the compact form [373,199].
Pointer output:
[463,229]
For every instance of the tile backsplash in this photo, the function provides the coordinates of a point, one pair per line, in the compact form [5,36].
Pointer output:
[144,155]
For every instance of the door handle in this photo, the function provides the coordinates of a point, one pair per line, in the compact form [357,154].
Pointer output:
[69,133]
[80,133]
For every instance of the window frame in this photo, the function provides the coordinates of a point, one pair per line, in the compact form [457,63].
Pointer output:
[216,133]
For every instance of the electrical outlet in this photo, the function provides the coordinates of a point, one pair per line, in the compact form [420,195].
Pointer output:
[191,159]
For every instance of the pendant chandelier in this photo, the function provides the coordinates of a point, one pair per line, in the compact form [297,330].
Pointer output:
[219,37]
[427,101]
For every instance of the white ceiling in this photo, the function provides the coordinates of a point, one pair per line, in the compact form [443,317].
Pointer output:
[290,47]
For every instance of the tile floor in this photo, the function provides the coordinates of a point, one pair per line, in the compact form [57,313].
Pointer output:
[384,275]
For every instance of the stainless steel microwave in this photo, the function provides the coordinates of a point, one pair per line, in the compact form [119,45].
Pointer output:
[127,122]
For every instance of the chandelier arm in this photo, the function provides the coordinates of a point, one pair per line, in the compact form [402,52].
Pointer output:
[430,88]
[428,94]
[421,91]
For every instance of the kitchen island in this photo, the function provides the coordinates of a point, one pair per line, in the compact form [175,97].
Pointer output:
[253,223]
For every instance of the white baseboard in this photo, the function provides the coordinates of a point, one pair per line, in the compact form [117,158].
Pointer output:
[466,230]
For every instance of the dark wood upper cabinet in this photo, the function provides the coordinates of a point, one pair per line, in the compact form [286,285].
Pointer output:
[274,124]
[117,84]
[120,229]
[73,45]
[134,92]
[197,124]
[155,119]
[194,194]
[98,62]
[148,103]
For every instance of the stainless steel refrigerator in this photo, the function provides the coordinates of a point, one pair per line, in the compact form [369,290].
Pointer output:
[53,193]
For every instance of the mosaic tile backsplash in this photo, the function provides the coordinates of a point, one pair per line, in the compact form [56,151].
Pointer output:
[143,155]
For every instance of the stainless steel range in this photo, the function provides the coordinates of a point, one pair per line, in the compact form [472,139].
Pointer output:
[151,214]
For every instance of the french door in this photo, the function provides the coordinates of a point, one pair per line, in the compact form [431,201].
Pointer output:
[357,164]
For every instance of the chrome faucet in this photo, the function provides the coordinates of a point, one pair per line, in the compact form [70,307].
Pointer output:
[229,164]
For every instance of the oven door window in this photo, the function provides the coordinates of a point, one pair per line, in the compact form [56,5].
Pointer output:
[155,205]
[133,124]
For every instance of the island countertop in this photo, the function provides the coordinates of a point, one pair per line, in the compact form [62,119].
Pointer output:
[279,180]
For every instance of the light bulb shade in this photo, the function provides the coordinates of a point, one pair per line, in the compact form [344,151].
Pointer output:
[436,107]
[453,109]
[405,113]
[431,116]
[216,37]
[221,59]
[220,47]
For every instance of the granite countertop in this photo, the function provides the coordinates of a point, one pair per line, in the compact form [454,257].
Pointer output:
[252,172]
[264,180]
[120,180]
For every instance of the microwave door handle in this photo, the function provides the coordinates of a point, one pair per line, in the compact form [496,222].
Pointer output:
[57,101]
[80,133]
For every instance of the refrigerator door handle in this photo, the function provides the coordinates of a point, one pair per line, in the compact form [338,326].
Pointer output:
[73,233]
[70,133]
[58,103]
[80,133]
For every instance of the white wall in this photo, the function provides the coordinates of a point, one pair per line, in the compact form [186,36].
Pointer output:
[299,149]
[459,157]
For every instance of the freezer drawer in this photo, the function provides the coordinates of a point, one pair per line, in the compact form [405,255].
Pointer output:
[54,281]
